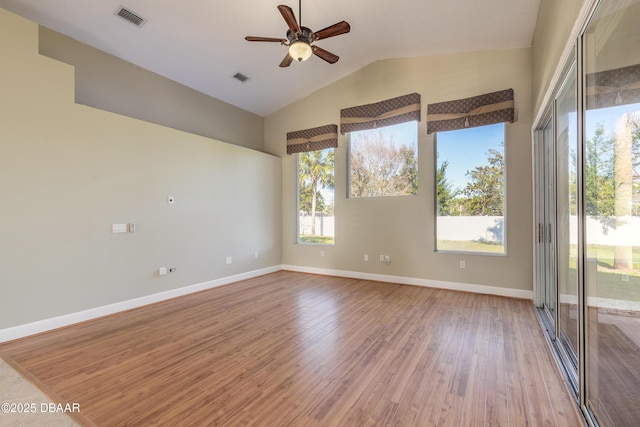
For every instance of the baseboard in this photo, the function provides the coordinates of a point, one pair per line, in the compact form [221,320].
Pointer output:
[454,286]
[44,325]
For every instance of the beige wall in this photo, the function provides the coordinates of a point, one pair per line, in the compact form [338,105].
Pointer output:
[554,26]
[68,171]
[111,84]
[403,227]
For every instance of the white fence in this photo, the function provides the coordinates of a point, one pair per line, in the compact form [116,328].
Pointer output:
[464,228]
[325,225]
[491,229]
[471,228]
[606,232]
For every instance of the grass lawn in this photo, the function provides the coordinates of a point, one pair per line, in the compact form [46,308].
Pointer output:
[610,283]
[323,240]
[605,256]
[469,246]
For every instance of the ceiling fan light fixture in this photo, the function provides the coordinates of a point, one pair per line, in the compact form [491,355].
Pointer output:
[299,38]
[300,50]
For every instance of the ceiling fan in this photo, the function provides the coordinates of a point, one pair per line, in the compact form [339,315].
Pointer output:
[300,39]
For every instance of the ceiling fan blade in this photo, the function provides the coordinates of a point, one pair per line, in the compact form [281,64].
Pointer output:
[286,61]
[325,54]
[341,27]
[290,19]
[264,39]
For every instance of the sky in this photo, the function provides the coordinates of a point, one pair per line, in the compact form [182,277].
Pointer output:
[608,117]
[467,148]
[403,133]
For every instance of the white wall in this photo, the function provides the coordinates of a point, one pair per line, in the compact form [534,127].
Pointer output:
[112,84]
[68,171]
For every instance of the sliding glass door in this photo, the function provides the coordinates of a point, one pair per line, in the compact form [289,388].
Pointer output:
[566,160]
[557,210]
[547,224]
[587,167]
[611,77]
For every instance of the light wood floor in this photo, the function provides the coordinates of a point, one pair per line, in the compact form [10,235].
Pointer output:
[305,350]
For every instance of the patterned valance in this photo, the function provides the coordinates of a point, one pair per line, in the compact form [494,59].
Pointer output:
[312,139]
[384,113]
[487,109]
[613,87]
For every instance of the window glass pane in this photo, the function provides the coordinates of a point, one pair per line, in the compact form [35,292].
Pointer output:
[612,204]
[470,183]
[566,206]
[316,197]
[384,161]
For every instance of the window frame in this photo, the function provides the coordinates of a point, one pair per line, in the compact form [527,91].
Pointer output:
[505,192]
[296,186]
[349,137]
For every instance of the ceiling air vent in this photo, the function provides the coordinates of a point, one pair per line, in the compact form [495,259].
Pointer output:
[241,77]
[128,15]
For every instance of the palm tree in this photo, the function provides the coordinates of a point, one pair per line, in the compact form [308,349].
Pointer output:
[316,169]
[623,177]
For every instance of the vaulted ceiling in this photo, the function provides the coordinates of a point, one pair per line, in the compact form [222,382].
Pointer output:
[201,43]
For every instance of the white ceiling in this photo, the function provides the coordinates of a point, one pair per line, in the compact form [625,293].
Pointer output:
[201,43]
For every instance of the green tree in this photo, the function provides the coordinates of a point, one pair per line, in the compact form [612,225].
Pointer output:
[635,147]
[446,194]
[380,166]
[408,175]
[306,200]
[599,174]
[316,170]
[485,190]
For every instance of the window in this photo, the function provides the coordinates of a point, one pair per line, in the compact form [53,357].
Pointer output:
[384,161]
[470,190]
[316,197]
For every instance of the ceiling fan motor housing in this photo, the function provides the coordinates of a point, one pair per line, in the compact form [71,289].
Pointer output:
[306,35]
[299,38]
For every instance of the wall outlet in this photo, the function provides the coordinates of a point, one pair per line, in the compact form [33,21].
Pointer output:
[162,271]
[625,278]
[462,264]
[255,255]
[366,257]
[172,270]
[321,254]
[228,260]
[171,200]
[381,258]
